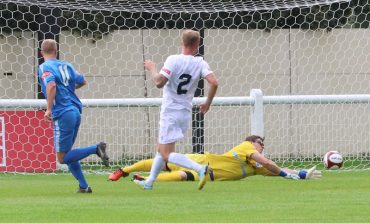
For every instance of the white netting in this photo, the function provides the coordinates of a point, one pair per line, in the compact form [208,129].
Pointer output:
[175,6]
[281,47]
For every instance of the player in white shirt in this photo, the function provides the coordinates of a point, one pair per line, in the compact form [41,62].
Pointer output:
[179,79]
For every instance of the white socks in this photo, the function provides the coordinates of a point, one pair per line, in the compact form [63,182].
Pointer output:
[157,166]
[182,160]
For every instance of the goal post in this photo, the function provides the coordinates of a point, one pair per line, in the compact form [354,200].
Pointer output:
[291,50]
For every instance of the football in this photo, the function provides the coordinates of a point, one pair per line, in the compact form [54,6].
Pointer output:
[333,160]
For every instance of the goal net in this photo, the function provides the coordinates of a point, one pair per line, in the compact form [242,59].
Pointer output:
[281,47]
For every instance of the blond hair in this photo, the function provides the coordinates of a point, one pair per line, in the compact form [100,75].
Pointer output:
[190,38]
[49,46]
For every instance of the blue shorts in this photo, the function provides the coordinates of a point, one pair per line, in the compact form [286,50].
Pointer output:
[66,129]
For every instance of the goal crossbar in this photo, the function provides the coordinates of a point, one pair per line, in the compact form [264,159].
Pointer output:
[175,6]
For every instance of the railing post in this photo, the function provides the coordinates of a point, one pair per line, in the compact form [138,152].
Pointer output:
[2,145]
[256,116]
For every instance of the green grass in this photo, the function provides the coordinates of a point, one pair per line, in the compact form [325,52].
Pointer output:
[337,197]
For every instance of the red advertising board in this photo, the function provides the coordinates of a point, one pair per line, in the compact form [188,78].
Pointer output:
[28,142]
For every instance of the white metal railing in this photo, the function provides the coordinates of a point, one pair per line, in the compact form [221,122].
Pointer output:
[121,102]
[247,100]
[316,99]
[256,99]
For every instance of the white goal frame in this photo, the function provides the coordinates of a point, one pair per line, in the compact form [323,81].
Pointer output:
[309,57]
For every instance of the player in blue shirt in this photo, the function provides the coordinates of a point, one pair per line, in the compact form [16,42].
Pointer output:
[58,81]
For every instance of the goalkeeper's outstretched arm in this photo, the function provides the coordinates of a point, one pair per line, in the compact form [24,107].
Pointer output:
[273,167]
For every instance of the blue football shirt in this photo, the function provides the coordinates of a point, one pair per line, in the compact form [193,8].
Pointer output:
[66,77]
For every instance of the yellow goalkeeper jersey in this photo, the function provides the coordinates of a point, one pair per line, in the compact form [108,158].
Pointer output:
[247,166]
[232,165]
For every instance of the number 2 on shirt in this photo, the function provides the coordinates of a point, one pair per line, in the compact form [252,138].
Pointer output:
[184,80]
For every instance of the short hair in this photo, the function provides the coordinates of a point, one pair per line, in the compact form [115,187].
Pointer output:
[49,46]
[190,38]
[254,138]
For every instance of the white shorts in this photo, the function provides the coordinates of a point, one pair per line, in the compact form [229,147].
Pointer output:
[173,125]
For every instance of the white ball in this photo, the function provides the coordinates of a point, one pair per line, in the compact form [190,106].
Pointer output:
[333,160]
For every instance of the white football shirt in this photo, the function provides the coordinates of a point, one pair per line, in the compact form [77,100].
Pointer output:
[183,73]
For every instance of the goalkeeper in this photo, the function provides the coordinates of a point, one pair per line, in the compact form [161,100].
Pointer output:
[242,161]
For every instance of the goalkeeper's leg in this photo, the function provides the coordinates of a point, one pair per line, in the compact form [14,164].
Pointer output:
[172,176]
[141,166]
[180,175]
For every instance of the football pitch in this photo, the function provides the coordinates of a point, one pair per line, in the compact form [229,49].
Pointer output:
[337,197]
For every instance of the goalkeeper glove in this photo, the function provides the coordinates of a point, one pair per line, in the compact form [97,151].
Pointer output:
[292,176]
[289,175]
[310,173]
